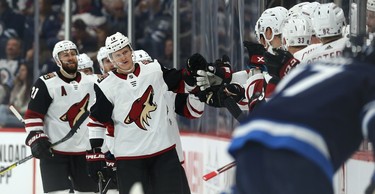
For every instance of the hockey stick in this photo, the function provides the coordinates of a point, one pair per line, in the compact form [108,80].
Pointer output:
[67,136]
[233,108]
[105,189]
[100,182]
[16,113]
[218,171]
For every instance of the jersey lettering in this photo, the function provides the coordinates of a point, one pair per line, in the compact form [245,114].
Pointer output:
[34,91]
[63,91]
[319,74]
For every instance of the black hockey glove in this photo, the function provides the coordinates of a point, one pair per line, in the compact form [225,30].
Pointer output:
[233,90]
[39,144]
[96,164]
[211,97]
[216,73]
[280,63]
[193,64]
[256,53]
[110,165]
[196,62]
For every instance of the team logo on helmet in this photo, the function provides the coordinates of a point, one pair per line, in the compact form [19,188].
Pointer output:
[76,111]
[141,109]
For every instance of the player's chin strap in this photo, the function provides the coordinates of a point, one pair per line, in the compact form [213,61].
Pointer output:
[72,131]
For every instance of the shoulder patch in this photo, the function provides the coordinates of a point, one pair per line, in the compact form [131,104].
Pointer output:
[102,77]
[48,76]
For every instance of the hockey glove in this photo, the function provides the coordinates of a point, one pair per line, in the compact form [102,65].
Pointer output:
[215,74]
[110,165]
[280,63]
[256,53]
[96,163]
[39,144]
[210,96]
[196,62]
[233,90]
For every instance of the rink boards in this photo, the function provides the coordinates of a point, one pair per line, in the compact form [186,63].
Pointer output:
[203,154]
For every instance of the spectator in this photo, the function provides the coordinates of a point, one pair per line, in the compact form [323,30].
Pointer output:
[12,23]
[167,58]
[49,23]
[19,98]
[86,43]
[9,66]
[117,18]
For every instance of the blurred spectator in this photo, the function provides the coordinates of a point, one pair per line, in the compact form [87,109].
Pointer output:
[85,42]
[49,24]
[11,24]
[87,6]
[117,17]
[19,98]
[167,58]
[9,66]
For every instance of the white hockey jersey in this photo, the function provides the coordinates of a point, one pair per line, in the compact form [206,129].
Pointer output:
[56,104]
[136,105]
[327,51]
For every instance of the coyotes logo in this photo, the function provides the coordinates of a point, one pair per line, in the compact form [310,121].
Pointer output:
[76,111]
[141,108]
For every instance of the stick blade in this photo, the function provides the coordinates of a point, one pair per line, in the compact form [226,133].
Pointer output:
[210,175]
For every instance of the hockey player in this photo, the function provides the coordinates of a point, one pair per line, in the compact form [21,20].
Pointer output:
[296,34]
[105,64]
[143,146]
[58,99]
[328,21]
[268,27]
[85,64]
[186,105]
[307,130]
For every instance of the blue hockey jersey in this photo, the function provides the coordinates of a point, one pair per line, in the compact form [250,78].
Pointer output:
[321,111]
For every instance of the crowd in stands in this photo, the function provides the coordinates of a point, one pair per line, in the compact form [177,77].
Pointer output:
[92,22]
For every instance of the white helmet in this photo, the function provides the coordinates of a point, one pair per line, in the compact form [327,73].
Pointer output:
[270,18]
[84,62]
[62,46]
[371,5]
[116,42]
[141,55]
[296,9]
[328,20]
[102,54]
[296,32]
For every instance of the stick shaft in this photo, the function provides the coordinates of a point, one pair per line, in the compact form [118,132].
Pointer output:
[67,136]
[16,113]
[214,173]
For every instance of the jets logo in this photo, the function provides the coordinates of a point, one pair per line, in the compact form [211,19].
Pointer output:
[76,111]
[141,109]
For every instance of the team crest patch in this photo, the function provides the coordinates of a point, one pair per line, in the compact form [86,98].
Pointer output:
[48,76]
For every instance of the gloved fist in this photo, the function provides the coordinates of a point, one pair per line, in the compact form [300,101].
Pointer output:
[233,90]
[211,97]
[96,164]
[215,74]
[39,144]
[196,62]
[280,63]
[221,69]
[256,53]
